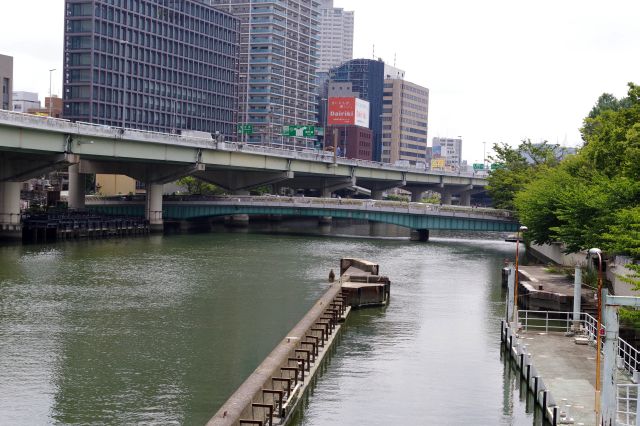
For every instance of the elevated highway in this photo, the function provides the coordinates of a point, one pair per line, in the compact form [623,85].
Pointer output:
[31,146]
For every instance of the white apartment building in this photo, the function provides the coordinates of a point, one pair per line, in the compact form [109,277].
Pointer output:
[405,120]
[24,101]
[278,64]
[336,36]
[450,149]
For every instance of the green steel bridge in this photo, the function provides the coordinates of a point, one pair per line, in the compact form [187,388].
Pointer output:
[417,216]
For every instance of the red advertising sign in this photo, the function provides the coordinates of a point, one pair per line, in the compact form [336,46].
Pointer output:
[341,111]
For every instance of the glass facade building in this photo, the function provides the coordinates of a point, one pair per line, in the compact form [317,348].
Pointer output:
[156,65]
[278,63]
[367,81]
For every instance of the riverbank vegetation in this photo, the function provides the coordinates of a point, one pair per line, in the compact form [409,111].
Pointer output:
[590,199]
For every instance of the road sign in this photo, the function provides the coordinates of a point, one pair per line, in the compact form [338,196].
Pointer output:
[245,129]
[478,166]
[496,166]
[299,131]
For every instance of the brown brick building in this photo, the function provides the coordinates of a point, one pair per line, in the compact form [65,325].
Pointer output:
[353,142]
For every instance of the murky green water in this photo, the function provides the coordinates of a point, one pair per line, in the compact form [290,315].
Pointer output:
[163,329]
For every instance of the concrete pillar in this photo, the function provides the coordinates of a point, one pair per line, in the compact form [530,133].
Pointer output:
[153,210]
[377,194]
[76,188]
[465,198]
[376,229]
[577,296]
[325,220]
[326,193]
[608,396]
[510,288]
[238,220]
[445,198]
[416,195]
[10,224]
[421,235]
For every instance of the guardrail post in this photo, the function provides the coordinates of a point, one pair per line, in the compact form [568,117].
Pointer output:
[510,284]
[577,298]
[536,379]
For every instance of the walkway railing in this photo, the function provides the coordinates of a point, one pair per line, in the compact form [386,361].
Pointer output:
[550,321]
[628,406]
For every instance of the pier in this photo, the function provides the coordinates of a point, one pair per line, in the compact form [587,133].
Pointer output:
[555,354]
[272,392]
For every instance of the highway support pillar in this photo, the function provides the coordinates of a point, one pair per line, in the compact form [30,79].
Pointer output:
[10,224]
[577,296]
[416,194]
[465,198]
[377,194]
[445,198]
[421,235]
[153,207]
[76,188]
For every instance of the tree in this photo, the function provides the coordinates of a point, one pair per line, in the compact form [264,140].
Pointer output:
[197,186]
[520,167]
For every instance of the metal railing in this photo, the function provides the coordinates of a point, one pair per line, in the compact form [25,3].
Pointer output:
[332,203]
[628,406]
[550,321]
[298,152]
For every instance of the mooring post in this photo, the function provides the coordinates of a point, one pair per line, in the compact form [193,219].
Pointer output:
[577,296]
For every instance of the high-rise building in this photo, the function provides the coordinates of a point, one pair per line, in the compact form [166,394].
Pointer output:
[6,78]
[24,101]
[405,121]
[336,36]
[367,82]
[157,65]
[450,149]
[278,64]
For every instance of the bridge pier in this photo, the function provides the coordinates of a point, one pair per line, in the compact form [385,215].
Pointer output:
[76,188]
[416,194]
[10,224]
[445,198]
[153,207]
[325,220]
[465,198]
[421,235]
[377,194]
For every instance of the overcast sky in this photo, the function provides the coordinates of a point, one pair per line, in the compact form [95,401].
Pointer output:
[497,70]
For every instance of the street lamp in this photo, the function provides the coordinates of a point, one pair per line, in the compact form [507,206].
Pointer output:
[50,101]
[598,252]
[522,229]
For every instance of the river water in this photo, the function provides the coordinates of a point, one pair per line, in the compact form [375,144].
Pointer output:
[163,329]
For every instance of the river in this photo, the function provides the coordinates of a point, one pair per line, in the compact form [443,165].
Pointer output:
[163,329]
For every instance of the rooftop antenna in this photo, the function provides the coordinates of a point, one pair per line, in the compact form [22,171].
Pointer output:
[394,59]
[374,51]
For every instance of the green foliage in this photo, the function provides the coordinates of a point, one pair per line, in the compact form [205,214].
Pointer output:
[521,165]
[395,197]
[196,186]
[432,199]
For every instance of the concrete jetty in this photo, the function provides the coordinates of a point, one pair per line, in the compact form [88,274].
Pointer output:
[272,392]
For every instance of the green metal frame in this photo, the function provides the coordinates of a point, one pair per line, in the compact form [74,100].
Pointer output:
[407,220]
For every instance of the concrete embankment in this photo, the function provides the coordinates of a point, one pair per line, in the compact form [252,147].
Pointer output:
[272,392]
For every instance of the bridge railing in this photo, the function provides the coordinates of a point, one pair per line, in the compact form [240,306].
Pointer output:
[298,152]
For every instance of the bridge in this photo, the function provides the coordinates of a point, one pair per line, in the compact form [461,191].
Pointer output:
[419,217]
[31,146]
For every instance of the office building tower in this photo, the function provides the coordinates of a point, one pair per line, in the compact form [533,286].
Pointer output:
[24,101]
[336,36]
[6,78]
[367,82]
[449,149]
[278,64]
[405,121]
[155,65]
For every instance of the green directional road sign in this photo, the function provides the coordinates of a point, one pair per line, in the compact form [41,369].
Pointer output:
[300,131]
[478,166]
[496,166]
[245,129]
